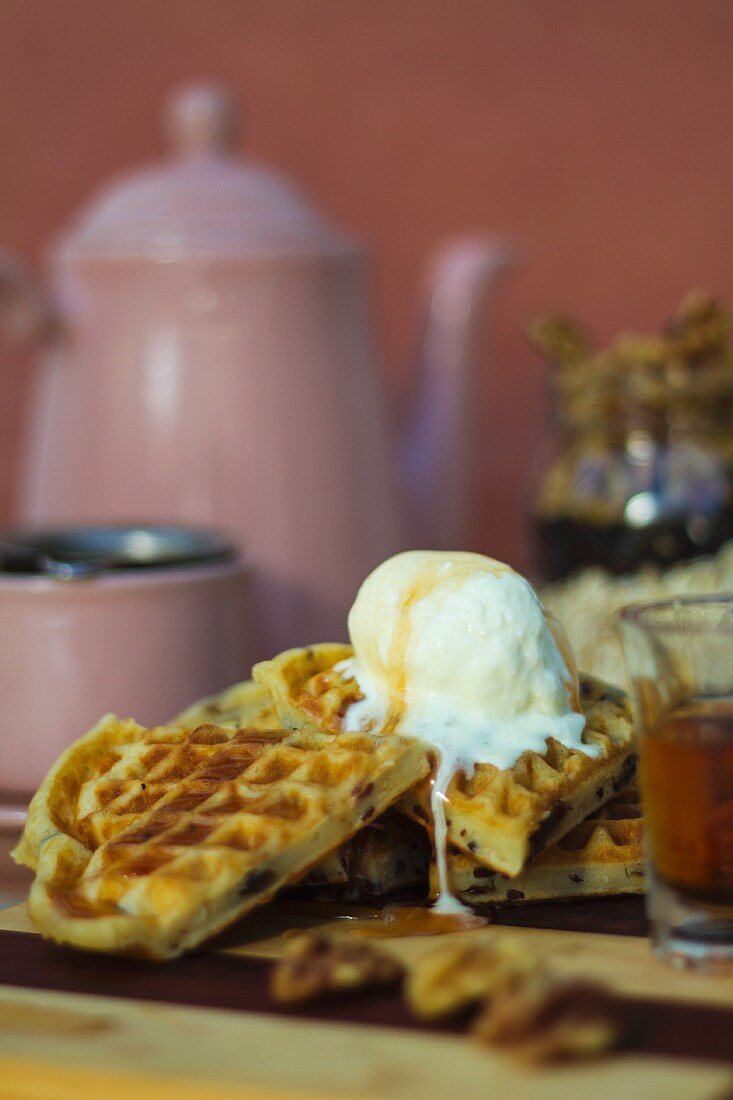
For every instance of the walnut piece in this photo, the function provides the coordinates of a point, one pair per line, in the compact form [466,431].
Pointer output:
[314,965]
[700,329]
[558,338]
[458,974]
[539,1017]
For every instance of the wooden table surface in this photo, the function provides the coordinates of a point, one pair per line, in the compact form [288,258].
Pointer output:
[78,1025]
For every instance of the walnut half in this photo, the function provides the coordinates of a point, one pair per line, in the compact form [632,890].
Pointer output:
[458,974]
[543,1018]
[314,965]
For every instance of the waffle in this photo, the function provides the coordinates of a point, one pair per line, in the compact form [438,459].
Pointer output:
[598,858]
[503,818]
[249,705]
[306,691]
[146,842]
[388,856]
[382,859]
[244,705]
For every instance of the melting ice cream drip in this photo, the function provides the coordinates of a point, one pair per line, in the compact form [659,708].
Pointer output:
[446,901]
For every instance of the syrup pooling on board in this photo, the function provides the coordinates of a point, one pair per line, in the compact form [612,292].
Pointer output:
[410,920]
[392,922]
[456,650]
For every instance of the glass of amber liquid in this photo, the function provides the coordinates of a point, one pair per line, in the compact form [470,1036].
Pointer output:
[679,658]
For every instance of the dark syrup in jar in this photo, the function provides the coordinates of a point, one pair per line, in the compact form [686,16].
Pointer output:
[565,545]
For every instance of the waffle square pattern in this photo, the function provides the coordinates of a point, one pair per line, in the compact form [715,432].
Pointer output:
[600,857]
[506,818]
[146,842]
[502,817]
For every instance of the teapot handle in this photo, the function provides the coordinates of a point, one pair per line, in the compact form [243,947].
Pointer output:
[27,316]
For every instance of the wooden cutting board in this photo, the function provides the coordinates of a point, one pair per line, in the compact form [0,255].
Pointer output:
[74,1025]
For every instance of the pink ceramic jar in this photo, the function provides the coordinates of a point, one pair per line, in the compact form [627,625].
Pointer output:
[138,621]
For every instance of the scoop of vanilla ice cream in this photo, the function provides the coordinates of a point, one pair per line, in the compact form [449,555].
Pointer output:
[457,650]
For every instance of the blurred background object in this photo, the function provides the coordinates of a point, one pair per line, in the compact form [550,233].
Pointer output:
[636,500]
[211,360]
[643,466]
[136,620]
[588,603]
[596,135]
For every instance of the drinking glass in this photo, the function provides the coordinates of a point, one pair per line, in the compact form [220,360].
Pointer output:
[679,658]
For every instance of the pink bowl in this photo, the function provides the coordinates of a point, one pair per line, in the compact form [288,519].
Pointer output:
[139,644]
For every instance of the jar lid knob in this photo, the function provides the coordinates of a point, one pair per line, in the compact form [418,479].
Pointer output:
[200,119]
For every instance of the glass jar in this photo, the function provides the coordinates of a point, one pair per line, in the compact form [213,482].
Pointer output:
[642,467]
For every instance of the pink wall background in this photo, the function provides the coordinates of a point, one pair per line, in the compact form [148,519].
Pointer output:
[596,133]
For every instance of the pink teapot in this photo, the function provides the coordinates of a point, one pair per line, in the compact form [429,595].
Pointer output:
[206,357]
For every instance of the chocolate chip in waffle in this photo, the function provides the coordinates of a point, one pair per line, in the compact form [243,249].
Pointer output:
[221,821]
[503,818]
[600,857]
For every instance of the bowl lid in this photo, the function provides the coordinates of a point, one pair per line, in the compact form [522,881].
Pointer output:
[80,551]
[203,200]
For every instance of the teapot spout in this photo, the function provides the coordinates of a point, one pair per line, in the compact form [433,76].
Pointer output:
[439,436]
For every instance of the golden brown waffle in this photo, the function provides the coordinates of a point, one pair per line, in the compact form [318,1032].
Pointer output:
[600,857]
[246,705]
[388,856]
[506,818]
[249,706]
[306,691]
[391,855]
[503,818]
[148,841]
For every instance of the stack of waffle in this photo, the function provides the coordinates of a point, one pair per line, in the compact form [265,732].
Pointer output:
[557,825]
[147,841]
